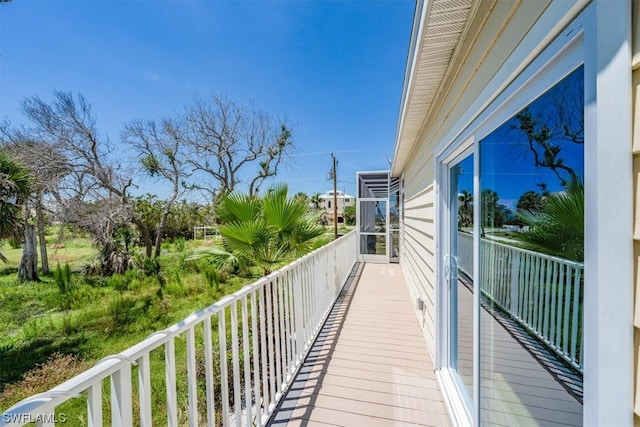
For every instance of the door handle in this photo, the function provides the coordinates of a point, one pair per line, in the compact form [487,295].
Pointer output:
[450,268]
[447,260]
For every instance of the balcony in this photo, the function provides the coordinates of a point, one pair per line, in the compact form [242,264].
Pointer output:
[325,340]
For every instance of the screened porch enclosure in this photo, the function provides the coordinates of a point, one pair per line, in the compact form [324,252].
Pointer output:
[378,216]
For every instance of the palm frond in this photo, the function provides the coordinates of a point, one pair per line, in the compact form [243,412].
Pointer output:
[205,253]
[238,207]
[558,229]
[245,237]
[270,230]
[221,259]
[300,240]
[14,178]
[283,215]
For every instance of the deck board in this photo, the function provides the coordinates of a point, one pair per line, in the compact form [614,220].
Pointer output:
[370,365]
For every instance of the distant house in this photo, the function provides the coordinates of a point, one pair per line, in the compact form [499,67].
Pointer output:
[342,200]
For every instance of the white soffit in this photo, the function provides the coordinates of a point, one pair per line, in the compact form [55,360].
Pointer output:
[441,28]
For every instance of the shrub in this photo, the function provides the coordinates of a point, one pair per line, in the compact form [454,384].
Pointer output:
[213,278]
[181,244]
[122,311]
[63,278]
[66,285]
[119,282]
[349,215]
[95,281]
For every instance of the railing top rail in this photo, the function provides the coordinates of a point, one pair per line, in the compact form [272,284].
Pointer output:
[527,251]
[44,402]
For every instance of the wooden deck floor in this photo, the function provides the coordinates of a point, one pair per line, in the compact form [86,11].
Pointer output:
[370,365]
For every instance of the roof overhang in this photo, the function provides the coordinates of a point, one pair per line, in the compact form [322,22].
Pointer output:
[438,27]
[372,184]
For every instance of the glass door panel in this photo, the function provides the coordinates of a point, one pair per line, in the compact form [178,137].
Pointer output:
[458,271]
[531,262]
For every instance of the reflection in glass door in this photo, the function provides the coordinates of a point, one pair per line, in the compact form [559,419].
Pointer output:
[531,262]
[458,273]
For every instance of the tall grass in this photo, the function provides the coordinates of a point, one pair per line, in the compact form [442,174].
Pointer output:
[71,321]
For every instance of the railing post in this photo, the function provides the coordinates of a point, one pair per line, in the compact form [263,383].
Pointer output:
[121,408]
[208,368]
[235,365]
[246,355]
[144,389]
[170,378]
[263,351]
[257,379]
[515,288]
[192,378]
[297,307]
[224,378]
[94,405]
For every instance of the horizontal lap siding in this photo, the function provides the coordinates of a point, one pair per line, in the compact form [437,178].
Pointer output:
[482,63]
[418,259]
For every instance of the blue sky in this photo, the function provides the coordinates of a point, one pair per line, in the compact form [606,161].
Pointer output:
[334,69]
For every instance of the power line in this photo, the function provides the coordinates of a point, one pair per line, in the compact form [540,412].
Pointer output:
[319,153]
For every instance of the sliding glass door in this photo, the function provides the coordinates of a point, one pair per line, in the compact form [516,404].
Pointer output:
[511,256]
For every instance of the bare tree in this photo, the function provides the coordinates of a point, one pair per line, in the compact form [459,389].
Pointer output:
[159,148]
[96,181]
[231,144]
[551,121]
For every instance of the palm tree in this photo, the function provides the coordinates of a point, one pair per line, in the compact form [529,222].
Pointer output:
[465,209]
[265,231]
[558,227]
[302,197]
[15,187]
[315,199]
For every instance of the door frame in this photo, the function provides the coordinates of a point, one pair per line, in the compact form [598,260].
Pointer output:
[461,403]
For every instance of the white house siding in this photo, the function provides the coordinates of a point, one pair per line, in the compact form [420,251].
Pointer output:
[481,66]
[419,257]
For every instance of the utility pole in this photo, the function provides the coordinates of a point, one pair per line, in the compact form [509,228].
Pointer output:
[335,197]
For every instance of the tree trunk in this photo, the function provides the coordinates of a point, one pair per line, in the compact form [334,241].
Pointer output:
[160,233]
[41,236]
[146,238]
[28,269]
[163,219]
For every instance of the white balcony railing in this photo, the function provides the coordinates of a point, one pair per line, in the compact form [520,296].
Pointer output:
[542,293]
[228,364]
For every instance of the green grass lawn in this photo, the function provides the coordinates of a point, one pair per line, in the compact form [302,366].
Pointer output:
[47,337]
